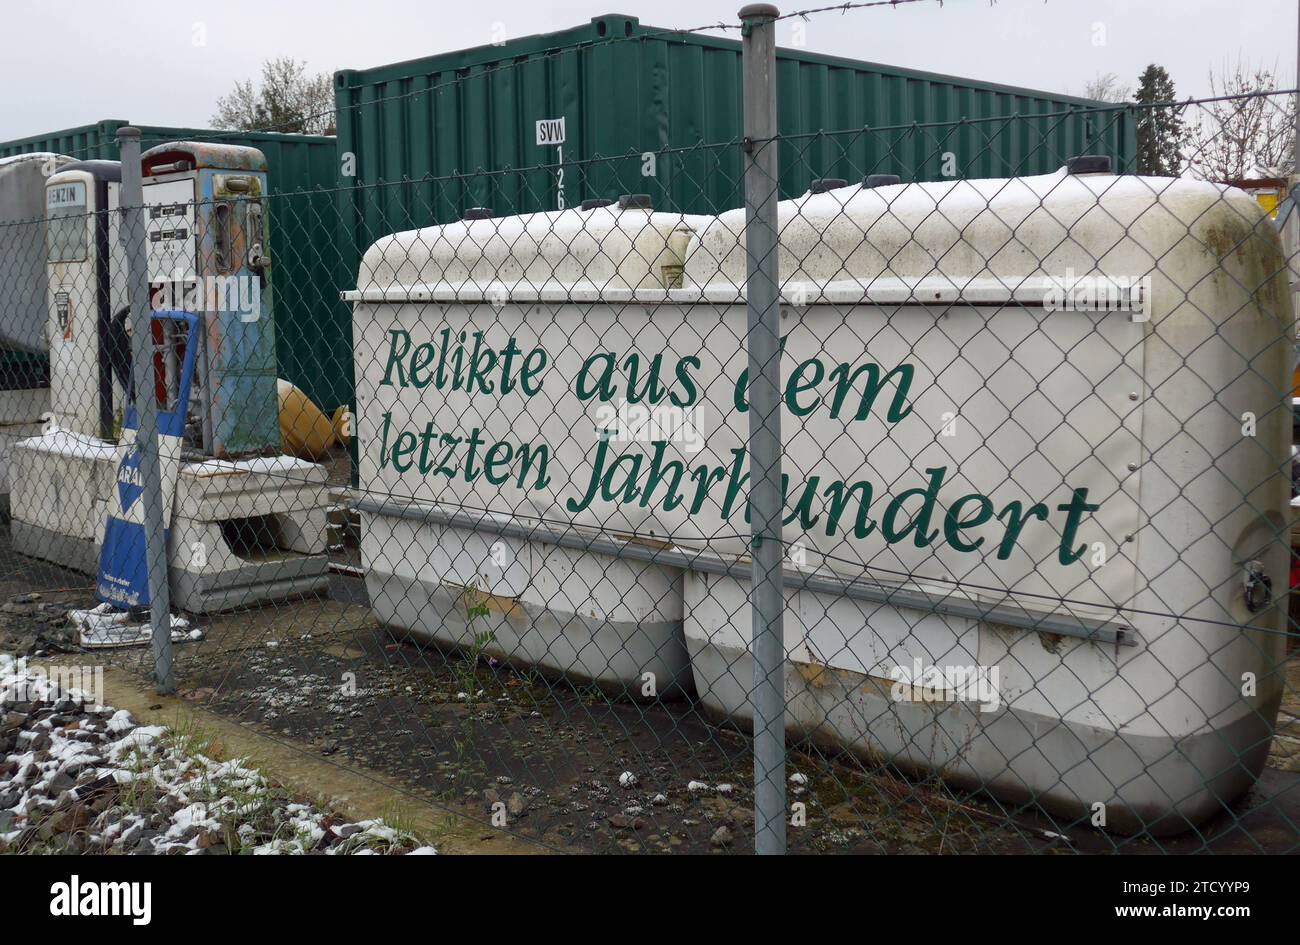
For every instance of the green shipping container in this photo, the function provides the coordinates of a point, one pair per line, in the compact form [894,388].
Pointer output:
[439,132]
[312,328]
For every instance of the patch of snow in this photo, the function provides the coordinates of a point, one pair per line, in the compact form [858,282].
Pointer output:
[103,627]
[197,804]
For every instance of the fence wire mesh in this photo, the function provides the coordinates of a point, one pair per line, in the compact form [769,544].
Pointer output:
[1036,468]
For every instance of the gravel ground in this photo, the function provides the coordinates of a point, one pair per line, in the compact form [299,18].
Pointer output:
[79,777]
[546,760]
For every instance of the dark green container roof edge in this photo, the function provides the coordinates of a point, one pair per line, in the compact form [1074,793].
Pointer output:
[103,134]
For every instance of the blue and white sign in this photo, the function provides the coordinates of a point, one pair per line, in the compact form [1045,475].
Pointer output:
[123,579]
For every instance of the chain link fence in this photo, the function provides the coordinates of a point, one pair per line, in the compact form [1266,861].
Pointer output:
[929,513]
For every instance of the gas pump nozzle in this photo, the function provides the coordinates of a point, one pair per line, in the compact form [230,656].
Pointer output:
[257,260]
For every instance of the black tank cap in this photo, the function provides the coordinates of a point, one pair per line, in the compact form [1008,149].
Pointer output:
[1089,164]
[820,185]
[880,180]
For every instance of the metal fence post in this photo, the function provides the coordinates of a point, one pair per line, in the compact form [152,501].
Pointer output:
[762,341]
[133,245]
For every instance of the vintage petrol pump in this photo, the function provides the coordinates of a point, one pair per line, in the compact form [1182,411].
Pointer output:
[206,232]
[247,523]
[24,301]
[89,353]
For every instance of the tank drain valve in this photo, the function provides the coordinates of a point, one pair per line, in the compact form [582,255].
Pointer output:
[1258,587]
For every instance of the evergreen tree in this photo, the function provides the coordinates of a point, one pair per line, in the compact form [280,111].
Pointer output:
[1160,127]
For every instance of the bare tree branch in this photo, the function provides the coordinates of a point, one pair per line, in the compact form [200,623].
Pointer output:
[1251,134]
[1106,88]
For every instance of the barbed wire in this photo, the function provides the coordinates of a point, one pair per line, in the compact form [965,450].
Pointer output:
[847,7]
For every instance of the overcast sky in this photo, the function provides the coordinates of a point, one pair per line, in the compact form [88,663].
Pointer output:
[75,62]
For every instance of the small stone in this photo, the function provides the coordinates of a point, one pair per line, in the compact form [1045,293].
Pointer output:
[61,783]
[89,779]
[131,834]
[627,779]
[491,797]
[35,742]
[516,804]
[721,837]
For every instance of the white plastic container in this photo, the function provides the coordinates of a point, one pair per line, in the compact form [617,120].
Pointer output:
[1171,411]
[986,472]
[440,562]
